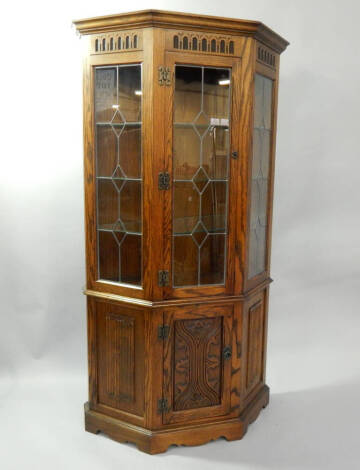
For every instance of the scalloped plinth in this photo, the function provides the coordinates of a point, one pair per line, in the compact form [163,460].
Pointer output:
[156,442]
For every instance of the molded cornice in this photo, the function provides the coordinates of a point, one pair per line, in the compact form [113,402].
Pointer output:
[168,19]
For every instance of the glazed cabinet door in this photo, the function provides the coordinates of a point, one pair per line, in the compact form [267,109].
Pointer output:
[118,123]
[117,101]
[201,157]
[261,177]
[197,363]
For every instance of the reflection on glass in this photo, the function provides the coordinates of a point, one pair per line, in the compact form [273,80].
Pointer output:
[200,172]
[119,173]
[260,174]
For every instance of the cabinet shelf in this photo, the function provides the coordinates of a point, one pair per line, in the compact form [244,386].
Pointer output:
[120,124]
[122,178]
[110,229]
[201,126]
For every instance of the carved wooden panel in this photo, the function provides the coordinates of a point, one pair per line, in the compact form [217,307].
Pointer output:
[197,363]
[255,345]
[197,371]
[118,41]
[266,56]
[120,357]
[119,340]
[209,43]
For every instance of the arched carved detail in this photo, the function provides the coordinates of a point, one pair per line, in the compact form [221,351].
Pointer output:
[200,42]
[116,42]
[266,56]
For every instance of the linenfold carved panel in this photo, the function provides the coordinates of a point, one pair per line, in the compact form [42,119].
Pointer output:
[197,363]
[201,42]
[120,357]
[123,41]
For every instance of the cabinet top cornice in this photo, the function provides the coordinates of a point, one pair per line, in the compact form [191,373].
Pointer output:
[168,19]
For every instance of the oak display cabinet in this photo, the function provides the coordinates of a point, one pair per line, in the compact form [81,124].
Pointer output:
[179,142]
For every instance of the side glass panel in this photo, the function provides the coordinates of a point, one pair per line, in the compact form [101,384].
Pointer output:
[200,174]
[119,173]
[260,174]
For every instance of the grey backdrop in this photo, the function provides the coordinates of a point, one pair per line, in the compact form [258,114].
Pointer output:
[313,350]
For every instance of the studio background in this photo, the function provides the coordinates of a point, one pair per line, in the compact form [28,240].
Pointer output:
[314,322]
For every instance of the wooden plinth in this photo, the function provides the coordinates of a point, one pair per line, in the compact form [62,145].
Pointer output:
[156,442]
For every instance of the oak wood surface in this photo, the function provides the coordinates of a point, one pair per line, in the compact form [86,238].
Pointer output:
[196,375]
[159,366]
[155,442]
[159,18]
[173,58]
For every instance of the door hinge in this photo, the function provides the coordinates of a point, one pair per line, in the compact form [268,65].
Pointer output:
[164,180]
[164,77]
[163,278]
[163,406]
[163,331]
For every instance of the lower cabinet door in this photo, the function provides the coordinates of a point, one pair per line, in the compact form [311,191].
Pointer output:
[255,338]
[197,363]
[120,357]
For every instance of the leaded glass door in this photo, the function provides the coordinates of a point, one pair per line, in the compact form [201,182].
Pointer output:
[118,150]
[260,175]
[200,157]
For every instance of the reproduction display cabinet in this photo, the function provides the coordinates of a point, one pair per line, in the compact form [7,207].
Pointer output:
[179,142]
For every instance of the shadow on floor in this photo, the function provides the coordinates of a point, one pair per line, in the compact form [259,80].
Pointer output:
[310,429]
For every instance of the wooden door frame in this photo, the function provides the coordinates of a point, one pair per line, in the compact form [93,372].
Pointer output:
[171,315]
[202,60]
[273,75]
[151,236]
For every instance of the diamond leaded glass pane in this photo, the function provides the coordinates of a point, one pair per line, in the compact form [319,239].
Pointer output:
[260,175]
[118,173]
[200,175]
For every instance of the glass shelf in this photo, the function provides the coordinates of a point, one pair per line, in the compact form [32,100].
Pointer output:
[202,126]
[119,124]
[101,229]
[123,178]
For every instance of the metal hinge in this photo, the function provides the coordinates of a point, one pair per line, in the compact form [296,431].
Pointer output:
[163,278]
[164,180]
[163,331]
[163,406]
[164,77]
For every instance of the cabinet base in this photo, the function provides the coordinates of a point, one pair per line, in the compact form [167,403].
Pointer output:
[156,442]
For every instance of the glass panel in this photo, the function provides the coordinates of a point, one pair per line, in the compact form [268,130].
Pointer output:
[200,173]
[212,259]
[186,207]
[130,144]
[260,174]
[215,148]
[186,152]
[213,213]
[130,206]
[118,171]
[108,256]
[129,86]
[130,255]
[105,93]
[186,253]
[106,150]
